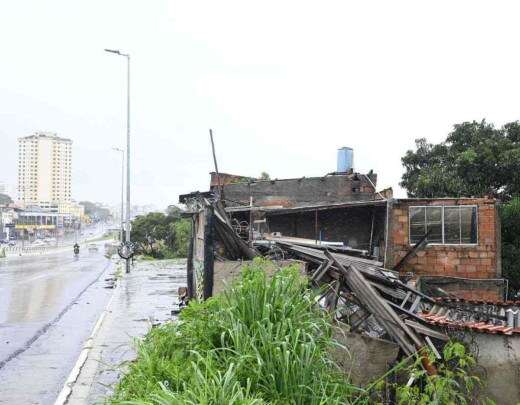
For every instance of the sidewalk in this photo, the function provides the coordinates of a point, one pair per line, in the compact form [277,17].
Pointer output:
[144,297]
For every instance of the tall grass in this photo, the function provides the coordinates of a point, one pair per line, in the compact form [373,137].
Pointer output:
[262,342]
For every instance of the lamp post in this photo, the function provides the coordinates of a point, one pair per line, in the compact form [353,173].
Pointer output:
[122,190]
[127,219]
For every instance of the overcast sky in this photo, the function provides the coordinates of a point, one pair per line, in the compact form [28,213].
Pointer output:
[282,83]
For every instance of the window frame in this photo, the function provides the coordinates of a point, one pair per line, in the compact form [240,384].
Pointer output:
[442,224]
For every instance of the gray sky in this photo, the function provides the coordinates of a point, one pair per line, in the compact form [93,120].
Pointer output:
[282,83]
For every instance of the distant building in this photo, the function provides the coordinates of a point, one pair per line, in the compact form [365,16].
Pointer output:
[44,170]
[6,189]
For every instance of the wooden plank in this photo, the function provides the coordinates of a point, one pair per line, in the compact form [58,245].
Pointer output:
[432,346]
[406,298]
[320,273]
[425,330]
[415,304]
[412,252]
[335,298]
[379,308]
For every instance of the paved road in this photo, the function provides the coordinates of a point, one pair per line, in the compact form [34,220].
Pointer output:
[48,307]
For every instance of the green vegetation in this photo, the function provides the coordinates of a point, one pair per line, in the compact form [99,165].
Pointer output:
[162,236]
[244,179]
[451,385]
[264,176]
[264,341]
[510,218]
[95,211]
[476,159]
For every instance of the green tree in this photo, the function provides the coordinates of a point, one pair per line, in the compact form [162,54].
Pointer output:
[182,233]
[161,235]
[5,199]
[148,230]
[510,219]
[95,211]
[264,176]
[174,211]
[476,159]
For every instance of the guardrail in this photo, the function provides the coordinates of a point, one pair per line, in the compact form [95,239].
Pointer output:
[6,251]
[32,250]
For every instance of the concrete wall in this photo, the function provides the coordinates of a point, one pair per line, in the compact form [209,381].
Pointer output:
[498,358]
[226,272]
[470,289]
[364,359]
[296,192]
[471,261]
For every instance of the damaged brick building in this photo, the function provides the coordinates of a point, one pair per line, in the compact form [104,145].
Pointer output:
[449,246]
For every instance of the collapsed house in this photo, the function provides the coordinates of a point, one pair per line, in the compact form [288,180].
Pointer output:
[411,271]
[450,247]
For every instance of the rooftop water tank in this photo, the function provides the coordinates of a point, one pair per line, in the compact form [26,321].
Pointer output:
[345,159]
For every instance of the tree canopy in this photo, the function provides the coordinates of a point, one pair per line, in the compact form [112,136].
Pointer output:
[95,211]
[510,219]
[161,235]
[476,159]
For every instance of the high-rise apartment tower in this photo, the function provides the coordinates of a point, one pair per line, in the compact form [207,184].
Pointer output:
[44,169]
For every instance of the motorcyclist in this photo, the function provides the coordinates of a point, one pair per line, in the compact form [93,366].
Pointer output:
[76,249]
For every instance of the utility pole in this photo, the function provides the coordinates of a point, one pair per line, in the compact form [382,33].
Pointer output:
[127,219]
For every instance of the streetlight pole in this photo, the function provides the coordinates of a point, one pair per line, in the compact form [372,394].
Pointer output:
[122,190]
[127,234]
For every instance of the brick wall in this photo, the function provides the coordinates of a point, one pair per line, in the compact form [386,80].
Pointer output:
[481,290]
[470,261]
[301,191]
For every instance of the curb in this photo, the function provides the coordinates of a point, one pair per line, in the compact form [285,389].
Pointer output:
[82,358]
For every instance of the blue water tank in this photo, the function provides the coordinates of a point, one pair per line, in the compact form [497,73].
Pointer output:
[345,159]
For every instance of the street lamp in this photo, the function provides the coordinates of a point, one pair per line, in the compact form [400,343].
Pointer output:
[127,221]
[122,189]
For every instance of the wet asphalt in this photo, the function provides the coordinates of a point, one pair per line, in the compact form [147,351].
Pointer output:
[48,307]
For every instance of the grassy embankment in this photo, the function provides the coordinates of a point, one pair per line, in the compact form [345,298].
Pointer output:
[262,342]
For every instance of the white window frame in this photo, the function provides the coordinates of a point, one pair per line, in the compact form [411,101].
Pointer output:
[442,224]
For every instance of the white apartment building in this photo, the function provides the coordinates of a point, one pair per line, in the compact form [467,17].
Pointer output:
[44,170]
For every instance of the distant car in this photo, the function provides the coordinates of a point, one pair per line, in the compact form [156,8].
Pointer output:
[37,243]
[93,247]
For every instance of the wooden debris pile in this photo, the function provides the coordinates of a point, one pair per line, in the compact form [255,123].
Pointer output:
[370,298]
